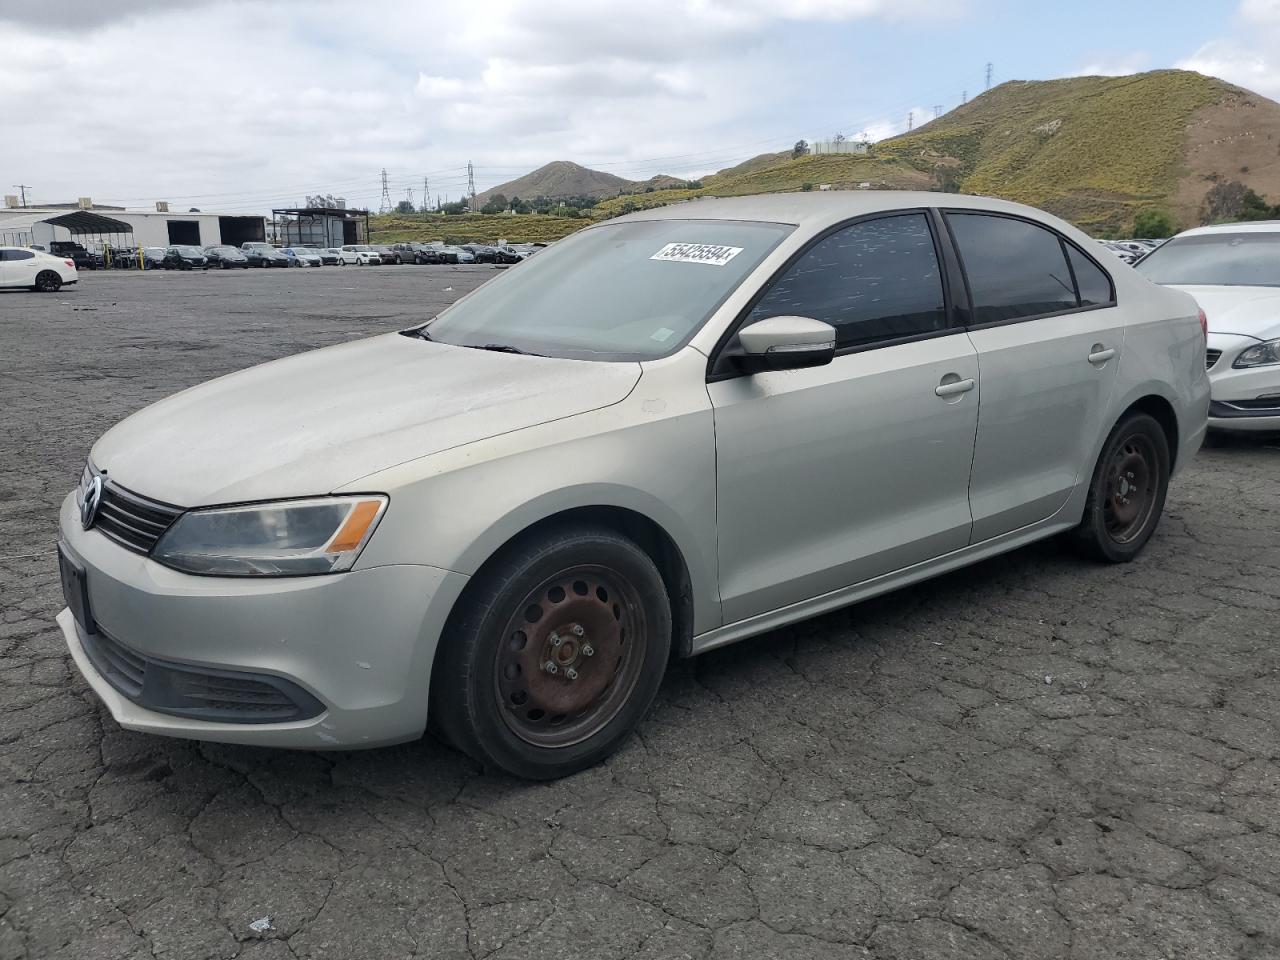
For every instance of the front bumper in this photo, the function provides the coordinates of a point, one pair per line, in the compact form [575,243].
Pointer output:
[361,643]
[1245,399]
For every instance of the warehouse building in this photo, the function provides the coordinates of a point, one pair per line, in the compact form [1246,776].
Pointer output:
[81,222]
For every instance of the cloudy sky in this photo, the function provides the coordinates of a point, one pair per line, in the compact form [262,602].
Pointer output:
[234,105]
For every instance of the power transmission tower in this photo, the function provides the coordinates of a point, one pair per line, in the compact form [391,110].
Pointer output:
[964,96]
[408,195]
[385,205]
[471,186]
[937,110]
[426,196]
[22,188]
[990,71]
[911,121]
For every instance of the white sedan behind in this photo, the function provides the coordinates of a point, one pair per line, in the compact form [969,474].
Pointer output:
[35,270]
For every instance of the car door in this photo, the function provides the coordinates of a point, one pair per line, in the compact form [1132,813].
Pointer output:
[18,268]
[833,475]
[1048,335]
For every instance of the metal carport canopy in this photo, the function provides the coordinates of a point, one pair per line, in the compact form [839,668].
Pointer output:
[80,222]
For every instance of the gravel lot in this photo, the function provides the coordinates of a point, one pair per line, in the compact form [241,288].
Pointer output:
[1033,758]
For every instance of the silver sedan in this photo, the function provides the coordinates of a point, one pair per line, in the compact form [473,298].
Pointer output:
[666,433]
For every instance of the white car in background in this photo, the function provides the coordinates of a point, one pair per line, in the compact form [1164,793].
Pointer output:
[24,267]
[358,253]
[1233,271]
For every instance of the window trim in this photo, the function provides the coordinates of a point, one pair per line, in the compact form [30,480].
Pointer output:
[945,214]
[720,365]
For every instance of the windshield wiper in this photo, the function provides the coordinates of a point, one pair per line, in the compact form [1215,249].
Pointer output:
[508,348]
[419,332]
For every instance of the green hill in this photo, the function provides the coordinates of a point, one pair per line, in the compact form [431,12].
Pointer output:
[1093,150]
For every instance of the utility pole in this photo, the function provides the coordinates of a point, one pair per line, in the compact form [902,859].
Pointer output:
[937,110]
[990,71]
[22,188]
[385,205]
[911,121]
[471,186]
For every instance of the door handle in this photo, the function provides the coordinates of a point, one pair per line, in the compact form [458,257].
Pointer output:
[1100,354]
[952,388]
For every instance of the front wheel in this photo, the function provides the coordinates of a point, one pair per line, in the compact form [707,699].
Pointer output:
[48,282]
[553,654]
[1126,496]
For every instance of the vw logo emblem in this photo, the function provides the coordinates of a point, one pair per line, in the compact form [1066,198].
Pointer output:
[89,505]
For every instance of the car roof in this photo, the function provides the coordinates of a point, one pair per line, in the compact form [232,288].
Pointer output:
[1248,226]
[818,208]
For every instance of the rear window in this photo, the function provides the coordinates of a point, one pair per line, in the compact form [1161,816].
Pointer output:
[1216,259]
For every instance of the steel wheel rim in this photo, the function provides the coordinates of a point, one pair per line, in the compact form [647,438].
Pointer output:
[588,621]
[1132,479]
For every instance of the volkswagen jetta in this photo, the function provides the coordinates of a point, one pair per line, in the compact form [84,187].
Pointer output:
[663,434]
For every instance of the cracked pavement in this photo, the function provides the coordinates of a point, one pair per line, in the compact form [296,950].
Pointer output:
[1036,757]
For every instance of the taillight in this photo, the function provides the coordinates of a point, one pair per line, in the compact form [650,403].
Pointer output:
[1204,325]
[70,263]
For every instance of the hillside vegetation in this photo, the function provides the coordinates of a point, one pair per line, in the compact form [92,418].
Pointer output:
[1094,150]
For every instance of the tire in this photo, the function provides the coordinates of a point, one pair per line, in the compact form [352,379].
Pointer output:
[583,597]
[47,281]
[1127,491]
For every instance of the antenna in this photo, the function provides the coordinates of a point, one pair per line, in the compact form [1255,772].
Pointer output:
[385,205]
[911,121]
[990,71]
[22,188]
[471,186]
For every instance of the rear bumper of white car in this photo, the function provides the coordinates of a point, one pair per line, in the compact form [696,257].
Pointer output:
[222,659]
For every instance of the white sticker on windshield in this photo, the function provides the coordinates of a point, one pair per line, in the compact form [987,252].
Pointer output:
[709,253]
[662,334]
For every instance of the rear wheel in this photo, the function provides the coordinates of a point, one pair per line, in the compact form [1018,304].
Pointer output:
[1126,496]
[47,281]
[554,653]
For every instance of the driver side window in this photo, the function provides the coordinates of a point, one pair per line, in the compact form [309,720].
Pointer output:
[874,280]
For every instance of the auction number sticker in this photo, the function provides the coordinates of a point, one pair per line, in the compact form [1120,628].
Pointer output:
[709,253]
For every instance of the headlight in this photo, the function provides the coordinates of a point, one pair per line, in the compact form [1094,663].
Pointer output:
[1259,356]
[290,538]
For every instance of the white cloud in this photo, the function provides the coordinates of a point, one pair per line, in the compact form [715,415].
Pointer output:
[1115,65]
[242,105]
[1248,67]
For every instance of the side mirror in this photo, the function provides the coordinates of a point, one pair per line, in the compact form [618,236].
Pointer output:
[786,343]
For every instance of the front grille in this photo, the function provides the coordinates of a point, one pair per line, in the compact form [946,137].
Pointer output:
[132,520]
[1211,357]
[199,693]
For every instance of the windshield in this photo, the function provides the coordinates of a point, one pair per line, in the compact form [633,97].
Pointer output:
[626,291]
[190,251]
[1216,259]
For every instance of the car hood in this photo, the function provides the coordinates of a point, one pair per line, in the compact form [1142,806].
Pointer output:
[1248,311]
[311,423]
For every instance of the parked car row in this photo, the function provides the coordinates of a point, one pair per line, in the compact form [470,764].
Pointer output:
[1130,251]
